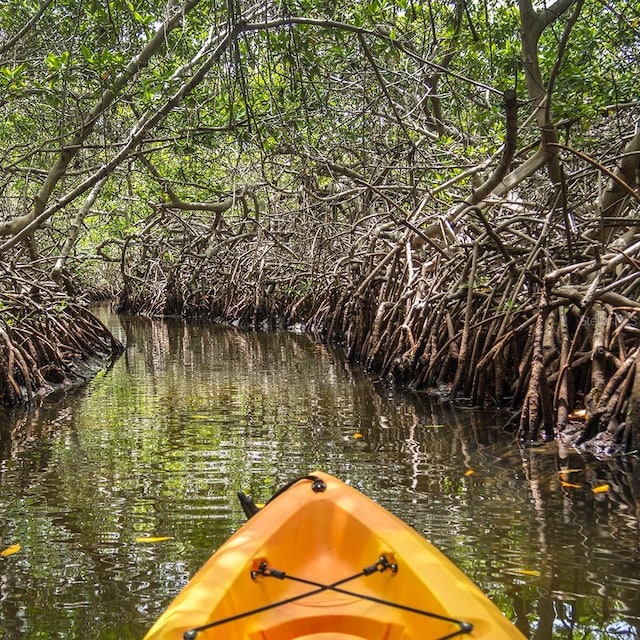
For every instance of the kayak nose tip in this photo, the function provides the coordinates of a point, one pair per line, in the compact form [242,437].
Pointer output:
[318,485]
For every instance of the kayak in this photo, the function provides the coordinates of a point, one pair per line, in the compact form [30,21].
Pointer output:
[322,561]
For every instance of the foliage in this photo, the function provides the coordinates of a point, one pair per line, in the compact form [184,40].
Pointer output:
[288,160]
[352,84]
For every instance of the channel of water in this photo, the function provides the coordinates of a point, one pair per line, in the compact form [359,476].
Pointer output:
[159,444]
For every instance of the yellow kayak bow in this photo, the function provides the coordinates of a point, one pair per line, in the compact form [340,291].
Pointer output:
[322,561]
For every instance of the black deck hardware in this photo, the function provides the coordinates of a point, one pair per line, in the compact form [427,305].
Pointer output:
[250,508]
[380,566]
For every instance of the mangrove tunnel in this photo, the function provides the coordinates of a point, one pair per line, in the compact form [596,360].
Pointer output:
[448,189]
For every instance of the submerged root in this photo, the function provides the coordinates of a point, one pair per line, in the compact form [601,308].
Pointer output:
[507,301]
[545,342]
[45,338]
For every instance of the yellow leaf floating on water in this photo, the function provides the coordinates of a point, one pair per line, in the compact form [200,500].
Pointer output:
[9,551]
[602,488]
[469,472]
[570,485]
[357,436]
[526,572]
[151,539]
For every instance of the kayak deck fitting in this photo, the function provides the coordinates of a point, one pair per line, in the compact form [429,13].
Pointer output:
[323,561]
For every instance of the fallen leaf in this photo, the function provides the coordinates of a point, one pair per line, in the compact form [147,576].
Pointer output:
[570,485]
[563,471]
[9,551]
[151,539]
[469,472]
[525,572]
[602,488]
[357,436]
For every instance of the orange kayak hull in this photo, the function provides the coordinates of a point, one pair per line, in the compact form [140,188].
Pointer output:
[323,561]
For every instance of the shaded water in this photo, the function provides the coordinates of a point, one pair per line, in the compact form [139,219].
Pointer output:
[159,445]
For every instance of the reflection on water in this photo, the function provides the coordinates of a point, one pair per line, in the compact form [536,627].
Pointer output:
[159,445]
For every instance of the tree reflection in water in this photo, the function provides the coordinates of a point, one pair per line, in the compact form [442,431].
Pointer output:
[159,445]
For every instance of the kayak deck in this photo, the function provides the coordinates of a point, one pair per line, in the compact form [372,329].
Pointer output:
[322,561]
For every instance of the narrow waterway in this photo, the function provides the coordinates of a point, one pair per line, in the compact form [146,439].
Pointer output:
[159,444]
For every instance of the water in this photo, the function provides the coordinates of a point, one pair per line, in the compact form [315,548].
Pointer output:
[159,445]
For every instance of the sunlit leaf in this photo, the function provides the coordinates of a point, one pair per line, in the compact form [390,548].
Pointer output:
[578,414]
[152,540]
[563,471]
[260,505]
[525,572]
[570,485]
[357,436]
[469,472]
[602,488]
[9,551]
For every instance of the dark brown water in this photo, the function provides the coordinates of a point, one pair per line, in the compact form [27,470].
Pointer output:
[159,445]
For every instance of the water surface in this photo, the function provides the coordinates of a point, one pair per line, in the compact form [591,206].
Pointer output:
[159,444]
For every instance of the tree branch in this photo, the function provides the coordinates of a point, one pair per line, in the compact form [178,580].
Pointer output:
[44,5]
[71,149]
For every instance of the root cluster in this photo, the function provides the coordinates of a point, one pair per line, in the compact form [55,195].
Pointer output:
[527,299]
[46,339]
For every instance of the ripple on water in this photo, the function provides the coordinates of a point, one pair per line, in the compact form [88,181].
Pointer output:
[160,445]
